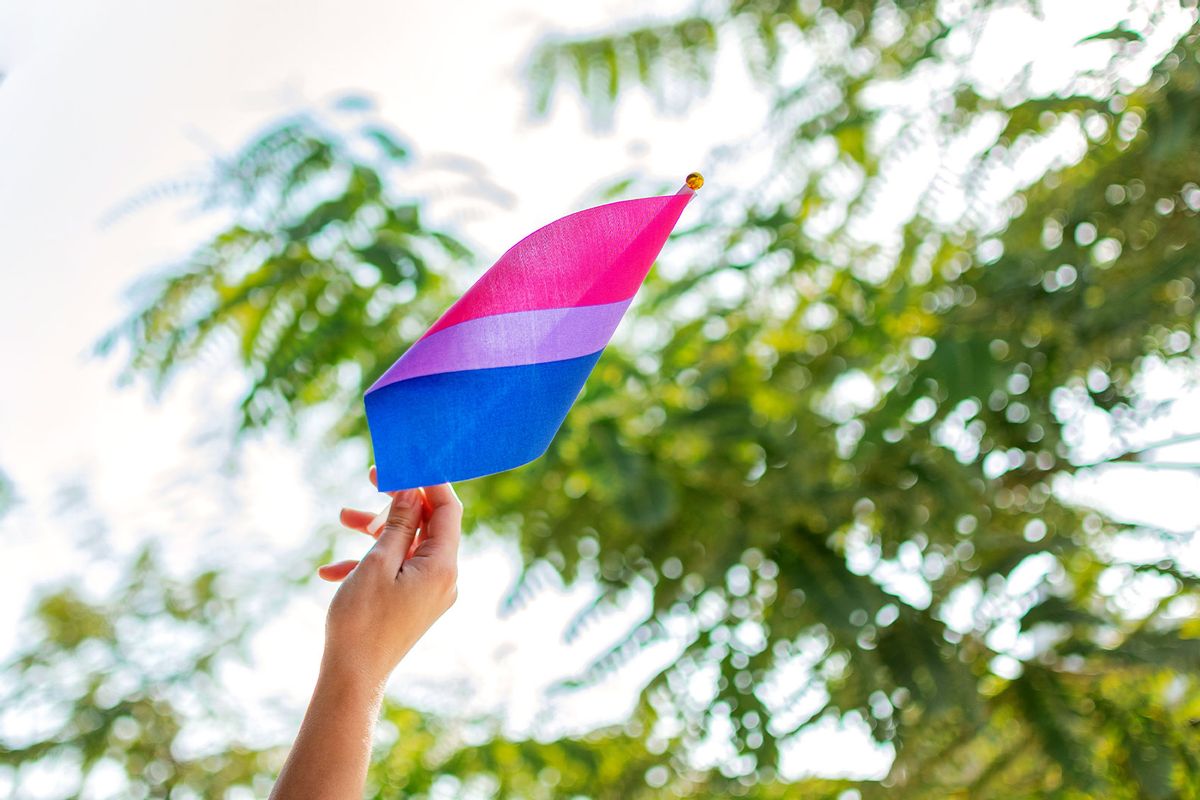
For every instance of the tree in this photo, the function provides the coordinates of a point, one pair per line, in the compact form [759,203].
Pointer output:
[840,475]
[984,339]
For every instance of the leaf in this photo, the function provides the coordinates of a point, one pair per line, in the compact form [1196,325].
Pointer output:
[1118,34]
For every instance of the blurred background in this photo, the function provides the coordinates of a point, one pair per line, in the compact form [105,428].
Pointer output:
[886,486]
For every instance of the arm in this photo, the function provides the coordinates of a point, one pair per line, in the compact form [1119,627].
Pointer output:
[386,602]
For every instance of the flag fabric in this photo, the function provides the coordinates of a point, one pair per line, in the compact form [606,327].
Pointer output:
[488,385]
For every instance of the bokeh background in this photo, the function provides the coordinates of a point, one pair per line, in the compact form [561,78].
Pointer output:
[885,488]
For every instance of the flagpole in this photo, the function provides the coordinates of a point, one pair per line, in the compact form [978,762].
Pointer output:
[691,183]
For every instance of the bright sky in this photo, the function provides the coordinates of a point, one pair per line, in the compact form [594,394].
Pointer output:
[102,100]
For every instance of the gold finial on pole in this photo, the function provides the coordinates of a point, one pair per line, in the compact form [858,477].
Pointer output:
[694,180]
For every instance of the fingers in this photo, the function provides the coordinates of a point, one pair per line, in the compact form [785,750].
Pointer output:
[443,530]
[338,571]
[396,537]
[363,521]
[426,505]
[373,475]
[368,523]
[435,510]
[441,495]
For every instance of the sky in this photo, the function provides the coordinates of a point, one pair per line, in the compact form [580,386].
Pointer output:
[103,100]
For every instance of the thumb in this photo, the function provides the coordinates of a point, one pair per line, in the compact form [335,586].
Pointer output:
[398,532]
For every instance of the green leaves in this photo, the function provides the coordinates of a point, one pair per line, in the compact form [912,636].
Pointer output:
[672,61]
[967,349]
[126,682]
[8,494]
[324,256]
[1117,34]
[834,447]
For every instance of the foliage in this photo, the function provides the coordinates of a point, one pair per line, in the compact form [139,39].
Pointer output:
[422,756]
[8,495]
[323,250]
[838,455]
[131,682]
[125,696]
[982,353]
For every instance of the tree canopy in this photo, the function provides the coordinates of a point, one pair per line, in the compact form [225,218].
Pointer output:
[835,446]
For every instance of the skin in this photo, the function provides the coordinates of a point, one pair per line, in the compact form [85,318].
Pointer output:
[385,604]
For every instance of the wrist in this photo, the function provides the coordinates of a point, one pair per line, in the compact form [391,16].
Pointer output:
[348,681]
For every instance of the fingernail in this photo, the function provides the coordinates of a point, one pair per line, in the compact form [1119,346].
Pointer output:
[375,525]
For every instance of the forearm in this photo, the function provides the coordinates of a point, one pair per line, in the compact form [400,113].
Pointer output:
[333,748]
[385,603]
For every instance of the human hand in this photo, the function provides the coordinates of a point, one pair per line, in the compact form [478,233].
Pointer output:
[400,587]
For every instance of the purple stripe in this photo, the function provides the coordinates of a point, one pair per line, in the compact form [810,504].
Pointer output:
[509,340]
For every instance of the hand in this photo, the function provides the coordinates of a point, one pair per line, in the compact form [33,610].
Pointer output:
[399,589]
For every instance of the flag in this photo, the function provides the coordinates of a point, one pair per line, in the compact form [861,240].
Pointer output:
[488,385]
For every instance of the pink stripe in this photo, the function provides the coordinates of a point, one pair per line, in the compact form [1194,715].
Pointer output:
[584,259]
[509,340]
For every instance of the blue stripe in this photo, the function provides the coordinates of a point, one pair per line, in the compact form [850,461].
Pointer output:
[459,425]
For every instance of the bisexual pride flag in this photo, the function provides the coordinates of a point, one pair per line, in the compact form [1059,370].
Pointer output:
[487,387]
